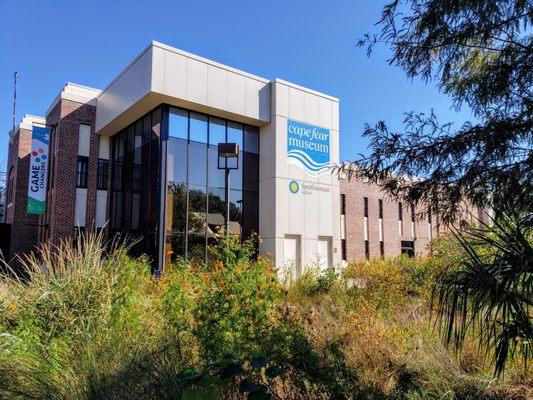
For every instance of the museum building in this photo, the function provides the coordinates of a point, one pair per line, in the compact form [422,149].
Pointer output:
[147,158]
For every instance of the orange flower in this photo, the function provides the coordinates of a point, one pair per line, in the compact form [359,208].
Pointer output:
[13,307]
[163,279]
[220,264]
[220,283]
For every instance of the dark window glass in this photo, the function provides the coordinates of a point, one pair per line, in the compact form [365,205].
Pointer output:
[400,211]
[136,179]
[82,171]
[429,217]
[343,249]
[380,203]
[343,204]
[413,215]
[117,176]
[367,250]
[408,247]
[382,249]
[102,174]
[251,139]
[365,201]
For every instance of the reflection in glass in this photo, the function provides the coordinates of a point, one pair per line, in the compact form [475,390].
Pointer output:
[196,187]
[134,168]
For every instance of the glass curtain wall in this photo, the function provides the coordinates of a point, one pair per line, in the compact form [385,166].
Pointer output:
[195,204]
[134,206]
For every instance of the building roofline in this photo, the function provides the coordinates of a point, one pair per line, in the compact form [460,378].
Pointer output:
[166,47]
[75,92]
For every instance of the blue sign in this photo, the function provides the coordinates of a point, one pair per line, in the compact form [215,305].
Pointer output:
[308,146]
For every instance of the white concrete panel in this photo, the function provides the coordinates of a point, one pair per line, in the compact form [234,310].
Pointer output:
[325,213]
[292,259]
[309,258]
[84,140]
[312,204]
[335,115]
[103,147]
[280,99]
[267,153]
[311,108]
[324,250]
[174,74]
[130,86]
[217,87]
[236,93]
[282,167]
[196,81]
[296,104]
[267,205]
[283,212]
[252,96]
[296,206]
[101,208]
[80,208]
[324,112]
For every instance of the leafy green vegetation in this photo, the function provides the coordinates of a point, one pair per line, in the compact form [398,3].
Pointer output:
[94,324]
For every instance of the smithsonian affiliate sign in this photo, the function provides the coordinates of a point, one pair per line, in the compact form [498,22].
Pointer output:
[308,146]
[38,170]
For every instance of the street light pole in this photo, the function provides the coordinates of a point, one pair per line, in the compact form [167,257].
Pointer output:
[226,228]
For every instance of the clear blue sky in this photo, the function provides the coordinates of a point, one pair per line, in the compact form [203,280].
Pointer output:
[308,42]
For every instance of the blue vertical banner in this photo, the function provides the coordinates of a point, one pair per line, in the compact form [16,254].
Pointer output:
[308,146]
[38,170]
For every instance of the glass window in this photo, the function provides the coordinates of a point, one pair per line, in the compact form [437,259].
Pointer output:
[217,131]
[102,174]
[198,128]
[251,139]
[82,171]
[178,123]
[196,203]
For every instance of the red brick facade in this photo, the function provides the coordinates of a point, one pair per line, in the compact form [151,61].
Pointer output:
[24,226]
[355,191]
[67,116]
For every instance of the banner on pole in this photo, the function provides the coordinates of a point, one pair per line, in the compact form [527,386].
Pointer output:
[38,170]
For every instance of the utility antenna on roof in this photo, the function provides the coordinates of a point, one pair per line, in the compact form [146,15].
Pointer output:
[15,75]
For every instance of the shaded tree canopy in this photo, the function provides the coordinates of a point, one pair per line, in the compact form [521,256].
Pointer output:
[479,52]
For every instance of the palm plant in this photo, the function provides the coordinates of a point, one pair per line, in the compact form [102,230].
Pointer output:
[488,290]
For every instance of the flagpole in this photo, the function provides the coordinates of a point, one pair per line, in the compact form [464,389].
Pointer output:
[15,75]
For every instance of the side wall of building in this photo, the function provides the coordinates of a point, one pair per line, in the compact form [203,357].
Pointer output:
[23,226]
[393,230]
[68,206]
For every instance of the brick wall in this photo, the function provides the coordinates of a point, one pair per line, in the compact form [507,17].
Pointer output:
[355,192]
[68,115]
[23,226]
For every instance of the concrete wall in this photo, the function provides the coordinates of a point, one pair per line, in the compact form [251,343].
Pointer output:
[308,213]
[163,74]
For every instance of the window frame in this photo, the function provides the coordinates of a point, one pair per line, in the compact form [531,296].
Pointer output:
[82,174]
[102,181]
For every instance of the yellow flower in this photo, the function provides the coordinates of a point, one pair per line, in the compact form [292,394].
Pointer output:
[13,307]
